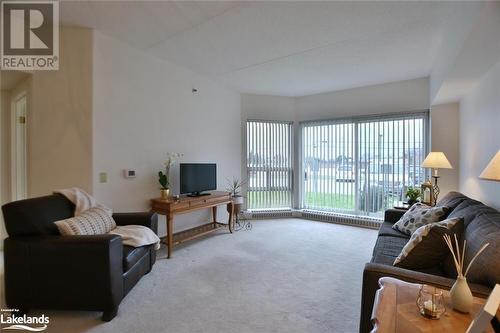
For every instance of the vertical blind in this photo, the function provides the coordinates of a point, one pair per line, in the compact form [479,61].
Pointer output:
[269,164]
[362,166]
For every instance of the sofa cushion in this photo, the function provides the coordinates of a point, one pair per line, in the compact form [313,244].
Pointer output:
[419,215]
[469,209]
[426,247]
[94,221]
[131,255]
[451,200]
[387,248]
[36,216]
[485,228]
[387,230]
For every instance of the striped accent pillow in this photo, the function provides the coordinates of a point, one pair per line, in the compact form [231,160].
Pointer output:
[94,221]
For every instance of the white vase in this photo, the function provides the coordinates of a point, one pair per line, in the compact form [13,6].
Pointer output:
[461,296]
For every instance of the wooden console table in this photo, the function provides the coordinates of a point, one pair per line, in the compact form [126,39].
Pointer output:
[170,207]
[395,310]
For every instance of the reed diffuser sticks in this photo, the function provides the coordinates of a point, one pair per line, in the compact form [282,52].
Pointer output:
[459,256]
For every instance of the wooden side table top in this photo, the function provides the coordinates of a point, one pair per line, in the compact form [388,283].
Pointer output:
[187,204]
[395,310]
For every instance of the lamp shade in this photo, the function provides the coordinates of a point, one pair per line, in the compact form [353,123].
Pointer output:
[492,170]
[436,160]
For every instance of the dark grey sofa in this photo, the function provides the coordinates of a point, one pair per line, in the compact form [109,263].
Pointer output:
[481,225]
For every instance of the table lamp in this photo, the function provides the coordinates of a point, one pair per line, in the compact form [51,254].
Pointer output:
[436,160]
[492,170]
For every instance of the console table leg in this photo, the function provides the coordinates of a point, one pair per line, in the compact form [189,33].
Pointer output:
[214,214]
[231,213]
[170,235]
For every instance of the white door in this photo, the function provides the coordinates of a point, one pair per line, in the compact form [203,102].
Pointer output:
[18,134]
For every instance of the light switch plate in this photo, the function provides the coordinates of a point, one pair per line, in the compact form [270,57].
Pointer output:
[103,177]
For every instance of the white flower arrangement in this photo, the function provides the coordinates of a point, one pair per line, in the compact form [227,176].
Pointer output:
[171,158]
[164,178]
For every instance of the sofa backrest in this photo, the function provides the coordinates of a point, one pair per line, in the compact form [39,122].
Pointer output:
[481,225]
[452,200]
[36,216]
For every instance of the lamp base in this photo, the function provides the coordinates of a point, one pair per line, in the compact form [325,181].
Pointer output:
[435,191]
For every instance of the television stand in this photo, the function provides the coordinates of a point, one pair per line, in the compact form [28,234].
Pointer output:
[185,204]
[198,194]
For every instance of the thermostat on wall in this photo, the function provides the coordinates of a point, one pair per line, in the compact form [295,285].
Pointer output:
[129,173]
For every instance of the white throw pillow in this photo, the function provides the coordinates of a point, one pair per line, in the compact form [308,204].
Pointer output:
[94,221]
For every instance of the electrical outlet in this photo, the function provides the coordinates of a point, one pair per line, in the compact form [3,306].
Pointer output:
[103,177]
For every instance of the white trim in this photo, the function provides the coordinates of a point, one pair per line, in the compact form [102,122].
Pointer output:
[315,215]
[14,174]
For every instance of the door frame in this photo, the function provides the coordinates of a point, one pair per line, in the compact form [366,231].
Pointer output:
[15,172]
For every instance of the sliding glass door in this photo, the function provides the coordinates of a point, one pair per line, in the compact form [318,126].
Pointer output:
[329,166]
[362,166]
[269,164]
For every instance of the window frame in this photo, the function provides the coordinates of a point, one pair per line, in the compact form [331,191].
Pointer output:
[356,120]
[289,170]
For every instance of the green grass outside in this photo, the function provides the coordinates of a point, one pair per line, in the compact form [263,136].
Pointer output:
[330,201]
[271,199]
[281,199]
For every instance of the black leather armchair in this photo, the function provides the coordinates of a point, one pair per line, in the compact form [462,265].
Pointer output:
[46,270]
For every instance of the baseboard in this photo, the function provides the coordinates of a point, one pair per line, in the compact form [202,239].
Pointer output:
[268,214]
[308,214]
[359,221]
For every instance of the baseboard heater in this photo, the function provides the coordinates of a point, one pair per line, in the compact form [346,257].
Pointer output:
[308,214]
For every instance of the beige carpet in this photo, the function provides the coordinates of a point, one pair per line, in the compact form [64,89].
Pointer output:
[287,275]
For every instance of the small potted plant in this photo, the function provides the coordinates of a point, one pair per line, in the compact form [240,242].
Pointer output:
[164,189]
[412,194]
[164,178]
[234,187]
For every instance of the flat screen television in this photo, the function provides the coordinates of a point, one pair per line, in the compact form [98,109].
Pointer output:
[197,177]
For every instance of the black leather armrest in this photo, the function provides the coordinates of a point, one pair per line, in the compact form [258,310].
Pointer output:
[64,272]
[147,219]
[373,272]
[393,215]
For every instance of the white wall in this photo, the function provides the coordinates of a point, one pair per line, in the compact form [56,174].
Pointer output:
[60,119]
[4,159]
[410,95]
[480,137]
[444,121]
[5,145]
[144,108]
[266,107]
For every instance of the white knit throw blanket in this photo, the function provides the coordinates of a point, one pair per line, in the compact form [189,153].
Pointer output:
[132,235]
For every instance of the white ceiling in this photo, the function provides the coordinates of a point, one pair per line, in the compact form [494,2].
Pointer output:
[278,48]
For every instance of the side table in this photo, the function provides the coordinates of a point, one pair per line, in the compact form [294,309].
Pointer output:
[395,310]
[401,205]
